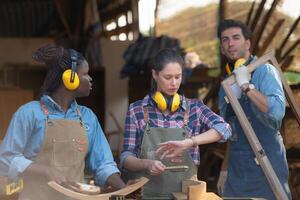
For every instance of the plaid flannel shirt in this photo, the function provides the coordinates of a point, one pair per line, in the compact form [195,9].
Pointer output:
[201,119]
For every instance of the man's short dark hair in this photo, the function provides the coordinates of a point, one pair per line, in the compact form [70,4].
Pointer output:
[231,23]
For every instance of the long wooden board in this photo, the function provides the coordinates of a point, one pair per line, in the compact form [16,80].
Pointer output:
[76,195]
[249,132]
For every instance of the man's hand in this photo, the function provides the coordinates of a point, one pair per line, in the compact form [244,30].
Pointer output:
[242,75]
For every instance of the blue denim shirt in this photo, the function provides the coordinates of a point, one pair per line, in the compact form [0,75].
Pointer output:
[267,81]
[26,131]
[245,177]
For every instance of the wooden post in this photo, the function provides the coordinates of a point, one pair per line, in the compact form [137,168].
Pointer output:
[249,132]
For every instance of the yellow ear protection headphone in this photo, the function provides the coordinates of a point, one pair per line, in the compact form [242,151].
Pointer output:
[241,61]
[237,63]
[164,103]
[70,77]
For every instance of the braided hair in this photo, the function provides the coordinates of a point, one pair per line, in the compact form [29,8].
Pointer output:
[57,60]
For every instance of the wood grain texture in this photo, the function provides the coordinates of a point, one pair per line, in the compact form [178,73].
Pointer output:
[76,195]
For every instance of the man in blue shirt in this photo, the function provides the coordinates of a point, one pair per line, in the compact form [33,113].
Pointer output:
[55,138]
[263,101]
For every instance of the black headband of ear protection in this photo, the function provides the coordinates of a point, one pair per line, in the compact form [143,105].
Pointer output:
[73,57]
[249,60]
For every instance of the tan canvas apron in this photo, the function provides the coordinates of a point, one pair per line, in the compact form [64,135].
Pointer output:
[160,187]
[64,147]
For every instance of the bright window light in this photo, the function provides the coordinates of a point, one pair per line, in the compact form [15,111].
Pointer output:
[130,36]
[129,17]
[146,14]
[111,26]
[122,21]
[122,37]
[114,37]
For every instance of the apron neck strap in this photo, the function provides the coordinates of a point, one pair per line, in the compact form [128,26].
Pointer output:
[186,114]
[80,116]
[46,112]
[146,114]
[44,108]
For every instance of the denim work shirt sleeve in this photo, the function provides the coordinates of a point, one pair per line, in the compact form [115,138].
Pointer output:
[25,136]
[99,160]
[267,81]
[15,154]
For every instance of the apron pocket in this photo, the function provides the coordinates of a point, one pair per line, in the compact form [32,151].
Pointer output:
[64,153]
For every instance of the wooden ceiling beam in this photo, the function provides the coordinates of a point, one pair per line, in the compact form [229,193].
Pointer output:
[290,49]
[271,36]
[261,28]
[282,45]
[258,14]
[250,13]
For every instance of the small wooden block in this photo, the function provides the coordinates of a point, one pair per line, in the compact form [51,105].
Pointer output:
[179,196]
[210,196]
[187,183]
[196,191]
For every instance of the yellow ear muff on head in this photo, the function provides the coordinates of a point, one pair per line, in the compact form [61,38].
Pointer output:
[66,77]
[70,77]
[162,104]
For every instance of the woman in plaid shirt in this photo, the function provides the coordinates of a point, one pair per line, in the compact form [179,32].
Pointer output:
[165,115]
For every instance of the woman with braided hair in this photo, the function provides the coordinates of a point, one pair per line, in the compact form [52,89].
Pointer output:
[54,138]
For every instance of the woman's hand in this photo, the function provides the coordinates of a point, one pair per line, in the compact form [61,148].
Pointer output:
[173,149]
[155,167]
[53,174]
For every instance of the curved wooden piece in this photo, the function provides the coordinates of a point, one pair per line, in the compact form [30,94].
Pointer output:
[76,195]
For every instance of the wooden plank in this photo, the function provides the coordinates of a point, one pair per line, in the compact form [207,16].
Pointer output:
[249,132]
[76,195]
[285,54]
[259,11]
[284,42]
[260,29]
[288,91]
[249,16]
[271,36]
[269,56]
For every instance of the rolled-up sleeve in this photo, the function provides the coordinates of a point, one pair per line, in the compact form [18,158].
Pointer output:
[211,120]
[100,160]
[265,77]
[129,140]
[12,160]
